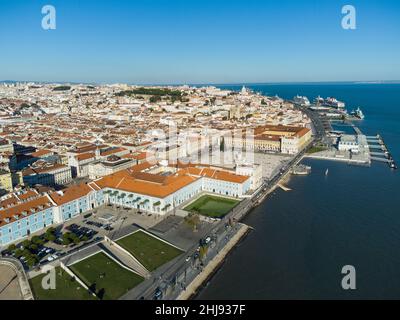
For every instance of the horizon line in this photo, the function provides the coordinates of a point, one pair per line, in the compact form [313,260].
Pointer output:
[210,83]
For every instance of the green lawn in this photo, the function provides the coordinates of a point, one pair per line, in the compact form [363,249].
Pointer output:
[66,288]
[212,206]
[151,252]
[105,277]
[316,149]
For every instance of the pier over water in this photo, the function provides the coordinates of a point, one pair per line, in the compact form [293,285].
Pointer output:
[376,143]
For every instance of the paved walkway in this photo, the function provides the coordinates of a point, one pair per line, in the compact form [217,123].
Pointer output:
[9,286]
[14,283]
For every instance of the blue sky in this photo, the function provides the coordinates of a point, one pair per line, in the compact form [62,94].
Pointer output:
[207,41]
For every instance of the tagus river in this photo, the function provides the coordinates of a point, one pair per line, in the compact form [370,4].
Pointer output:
[303,238]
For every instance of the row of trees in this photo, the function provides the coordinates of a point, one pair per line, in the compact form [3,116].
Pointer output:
[29,249]
[151,92]
[70,237]
[156,94]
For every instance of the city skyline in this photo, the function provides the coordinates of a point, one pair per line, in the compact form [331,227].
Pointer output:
[218,43]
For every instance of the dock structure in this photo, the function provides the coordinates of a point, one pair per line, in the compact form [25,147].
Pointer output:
[357,130]
[371,148]
[284,188]
[380,159]
[376,143]
[379,154]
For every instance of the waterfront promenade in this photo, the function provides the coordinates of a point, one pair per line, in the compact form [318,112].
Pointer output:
[210,268]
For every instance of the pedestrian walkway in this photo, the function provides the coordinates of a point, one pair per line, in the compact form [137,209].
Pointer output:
[124,258]
[212,265]
[14,283]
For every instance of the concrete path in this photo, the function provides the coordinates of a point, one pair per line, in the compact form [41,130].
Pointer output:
[125,259]
[14,284]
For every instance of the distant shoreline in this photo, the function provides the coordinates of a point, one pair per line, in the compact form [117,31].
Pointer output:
[355,82]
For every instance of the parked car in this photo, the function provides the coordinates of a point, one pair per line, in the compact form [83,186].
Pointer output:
[158,294]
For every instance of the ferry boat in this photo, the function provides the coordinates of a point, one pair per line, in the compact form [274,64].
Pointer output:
[358,113]
[302,101]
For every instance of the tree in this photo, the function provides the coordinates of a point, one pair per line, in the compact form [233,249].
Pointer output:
[12,247]
[18,253]
[50,237]
[32,260]
[33,247]
[203,252]
[50,234]
[50,230]
[66,239]
[37,240]
[26,243]
[154,99]
[193,219]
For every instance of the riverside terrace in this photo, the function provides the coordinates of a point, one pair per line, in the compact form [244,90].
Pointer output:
[157,189]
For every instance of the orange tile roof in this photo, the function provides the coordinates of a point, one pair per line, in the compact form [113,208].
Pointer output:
[112,151]
[46,167]
[216,174]
[156,185]
[137,156]
[41,153]
[72,193]
[9,201]
[16,211]
[159,190]
[29,194]
[85,156]
[302,132]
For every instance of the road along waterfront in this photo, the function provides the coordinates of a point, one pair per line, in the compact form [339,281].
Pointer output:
[303,238]
[213,264]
